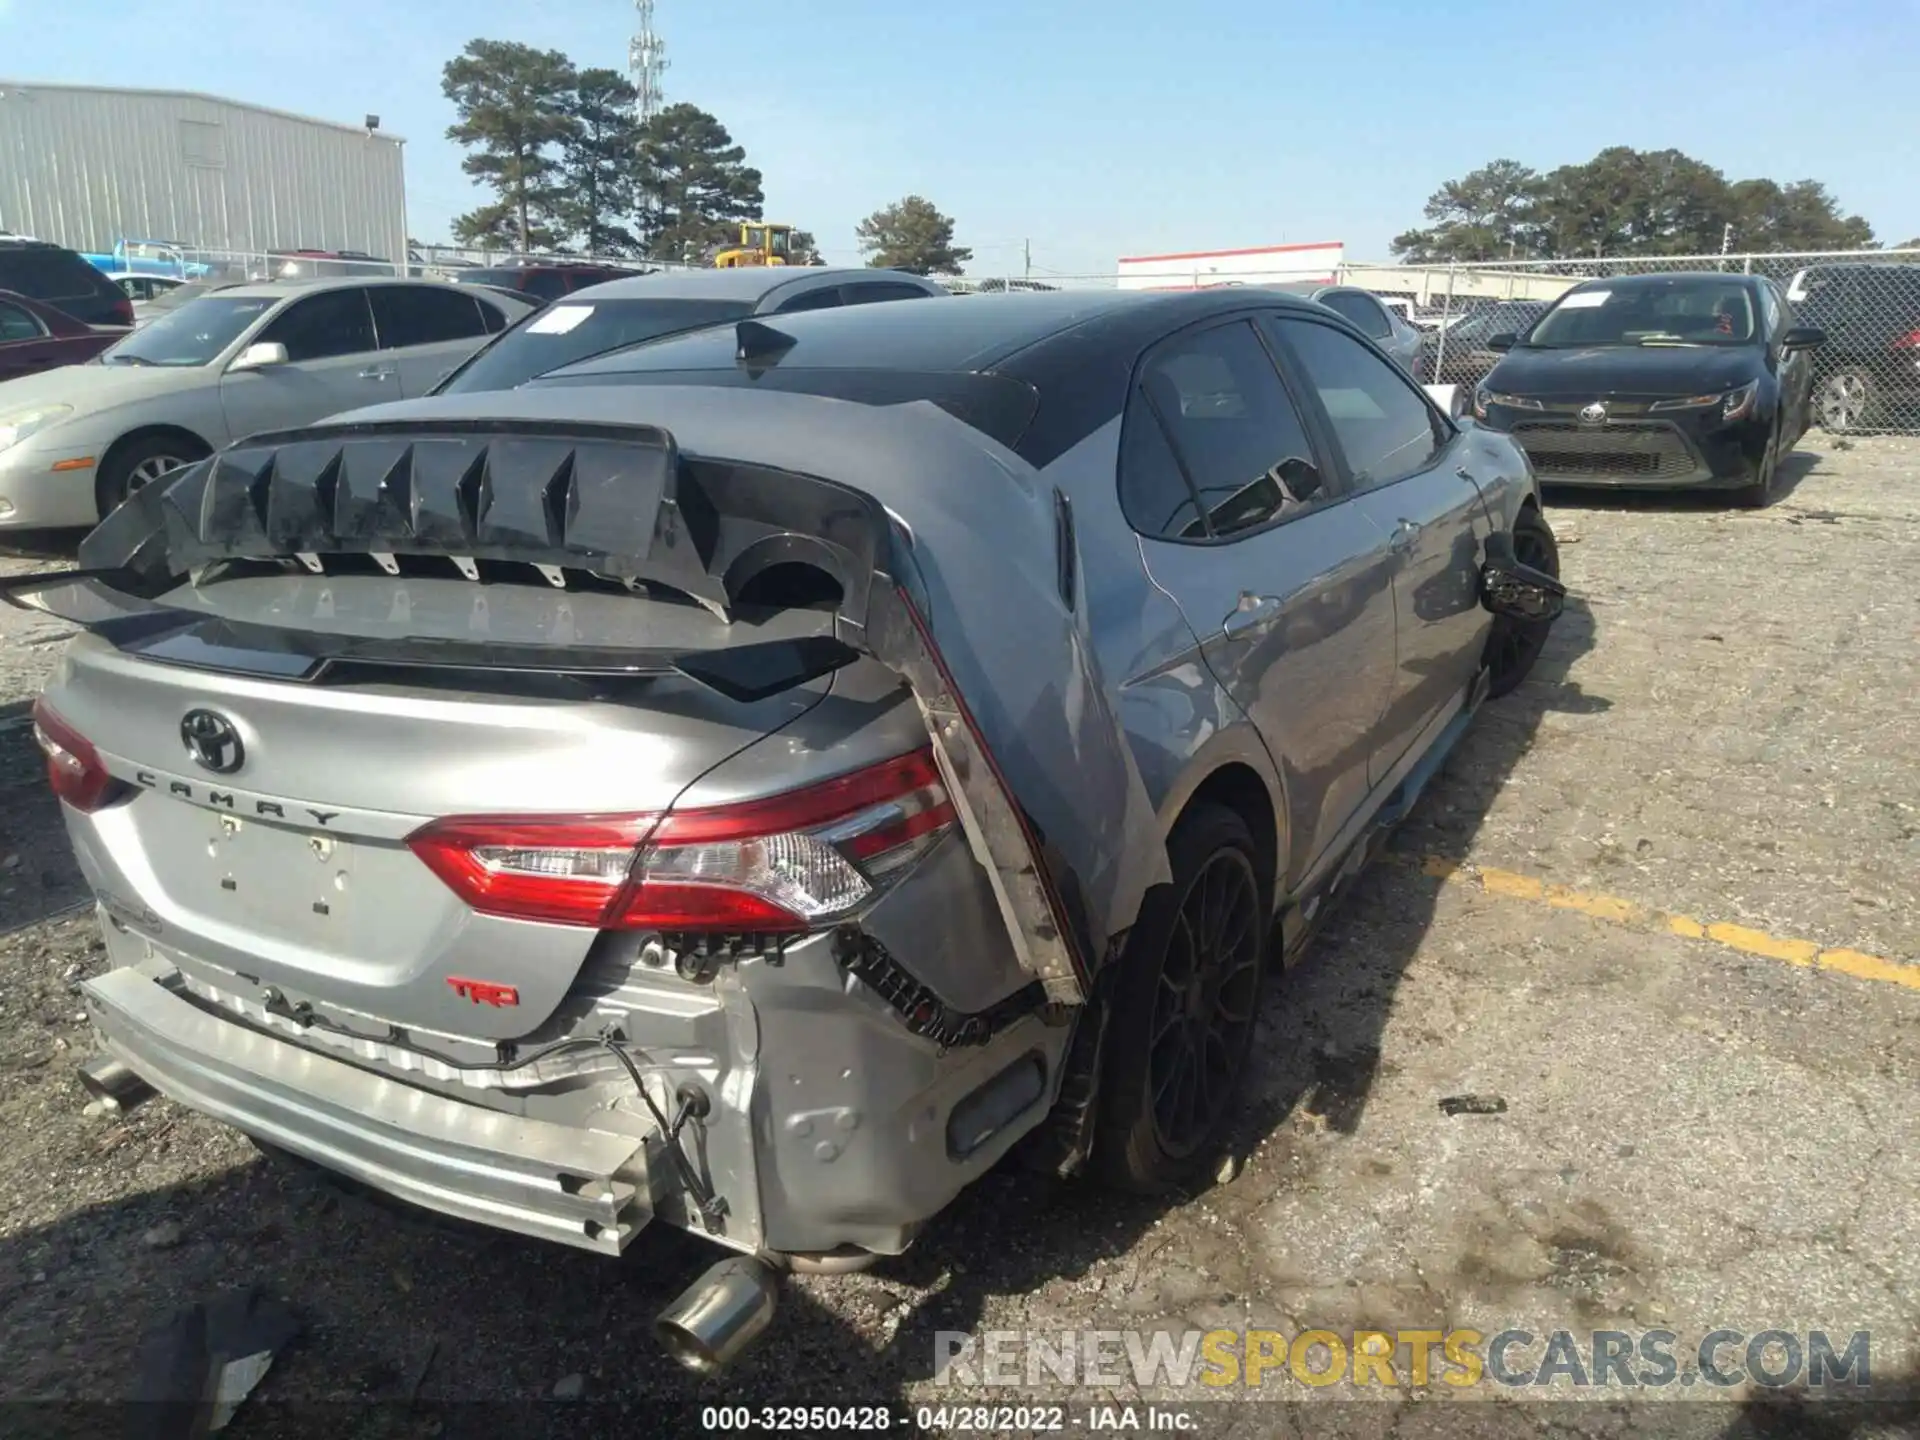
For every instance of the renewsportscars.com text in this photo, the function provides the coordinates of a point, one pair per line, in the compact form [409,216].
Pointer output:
[1647,1359]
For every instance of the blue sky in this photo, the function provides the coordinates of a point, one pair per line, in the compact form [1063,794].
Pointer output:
[1095,130]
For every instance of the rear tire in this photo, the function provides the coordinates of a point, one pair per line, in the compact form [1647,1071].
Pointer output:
[1514,646]
[130,467]
[1185,1006]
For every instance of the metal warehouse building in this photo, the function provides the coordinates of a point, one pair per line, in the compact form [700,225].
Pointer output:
[86,166]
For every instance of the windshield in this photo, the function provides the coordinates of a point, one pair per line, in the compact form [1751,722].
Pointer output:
[177,297]
[577,329]
[195,334]
[1495,320]
[1700,310]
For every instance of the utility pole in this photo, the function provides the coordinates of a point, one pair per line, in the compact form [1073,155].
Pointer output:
[1026,247]
[1726,237]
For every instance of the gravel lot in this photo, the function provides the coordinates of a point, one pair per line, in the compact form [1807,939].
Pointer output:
[1696,1135]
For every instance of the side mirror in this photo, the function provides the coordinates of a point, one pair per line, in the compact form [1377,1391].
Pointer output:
[1803,337]
[1518,591]
[1502,342]
[260,356]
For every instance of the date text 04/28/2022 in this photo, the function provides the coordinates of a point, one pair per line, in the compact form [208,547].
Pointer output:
[947,1419]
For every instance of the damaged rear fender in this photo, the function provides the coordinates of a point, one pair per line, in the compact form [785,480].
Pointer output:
[956,563]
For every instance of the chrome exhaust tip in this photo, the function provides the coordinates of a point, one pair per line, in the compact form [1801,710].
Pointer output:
[718,1316]
[108,1079]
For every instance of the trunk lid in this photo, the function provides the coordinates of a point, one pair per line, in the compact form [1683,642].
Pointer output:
[290,867]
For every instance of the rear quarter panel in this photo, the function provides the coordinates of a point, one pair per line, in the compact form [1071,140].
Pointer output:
[1181,725]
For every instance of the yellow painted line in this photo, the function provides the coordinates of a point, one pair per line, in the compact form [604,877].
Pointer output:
[1611,909]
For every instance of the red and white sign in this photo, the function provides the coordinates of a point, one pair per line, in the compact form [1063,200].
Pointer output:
[1262,265]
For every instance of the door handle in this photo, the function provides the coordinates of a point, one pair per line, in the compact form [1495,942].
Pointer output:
[1404,534]
[1252,612]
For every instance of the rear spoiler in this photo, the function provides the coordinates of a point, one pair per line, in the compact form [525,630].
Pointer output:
[976,603]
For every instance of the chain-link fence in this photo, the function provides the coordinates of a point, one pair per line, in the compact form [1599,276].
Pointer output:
[1866,376]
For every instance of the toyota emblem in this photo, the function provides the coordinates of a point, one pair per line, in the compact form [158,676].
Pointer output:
[213,741]
[1594,414]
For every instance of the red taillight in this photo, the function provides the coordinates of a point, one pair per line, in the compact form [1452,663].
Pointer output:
[1908,341]
[783,864]
[74,768]
[566,871]
[123,310]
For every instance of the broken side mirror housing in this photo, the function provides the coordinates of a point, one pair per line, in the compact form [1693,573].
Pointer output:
[1519,592]
[1502,342]
[1803,337]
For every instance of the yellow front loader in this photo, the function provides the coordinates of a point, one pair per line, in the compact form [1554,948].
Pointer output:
[760,244]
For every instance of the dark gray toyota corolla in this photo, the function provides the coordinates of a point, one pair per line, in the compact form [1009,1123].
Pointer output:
[753,779]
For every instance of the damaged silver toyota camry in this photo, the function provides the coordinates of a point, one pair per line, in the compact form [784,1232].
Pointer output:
[754,780]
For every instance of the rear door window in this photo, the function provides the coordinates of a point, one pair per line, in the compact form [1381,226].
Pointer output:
[827,297]
[1233,431]
[320,327]
[408,315]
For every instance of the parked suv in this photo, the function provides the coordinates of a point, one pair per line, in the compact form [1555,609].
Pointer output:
[1867,375]
[754,779]
[76,442]
[61,278]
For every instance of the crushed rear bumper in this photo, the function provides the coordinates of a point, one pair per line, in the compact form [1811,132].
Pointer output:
[577,1186]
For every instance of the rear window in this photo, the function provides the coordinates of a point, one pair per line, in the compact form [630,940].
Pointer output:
[968,335]
[998,406]
[572,330]
[49,274]
[508,278]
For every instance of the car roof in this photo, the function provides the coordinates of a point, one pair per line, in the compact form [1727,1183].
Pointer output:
[282,289]
[973,333]
[745,283]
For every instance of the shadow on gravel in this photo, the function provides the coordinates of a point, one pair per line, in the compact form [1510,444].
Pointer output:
[41,544]
[397,1306]
[1796,1413]
[38,876]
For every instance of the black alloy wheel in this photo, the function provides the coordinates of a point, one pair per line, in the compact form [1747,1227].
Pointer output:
[1184,1008]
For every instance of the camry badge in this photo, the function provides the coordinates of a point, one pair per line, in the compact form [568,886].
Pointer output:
[1594,414]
